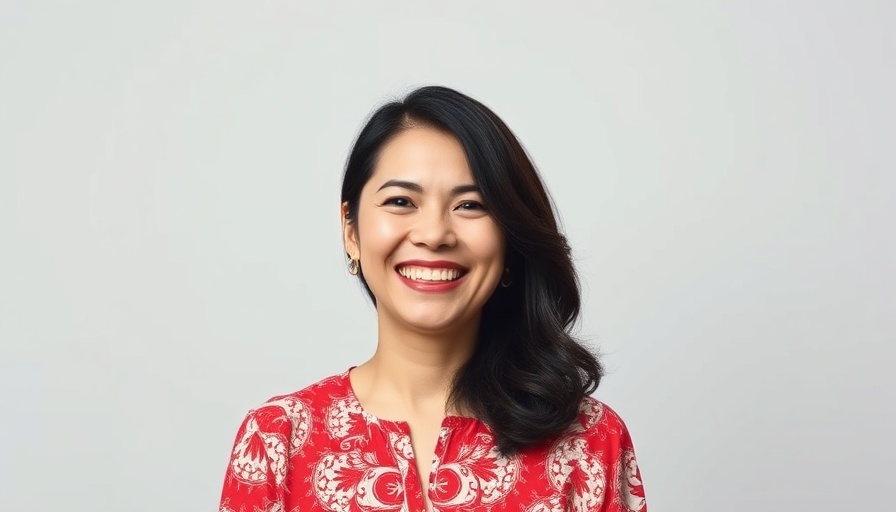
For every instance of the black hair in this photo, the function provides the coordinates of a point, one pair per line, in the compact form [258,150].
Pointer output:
[528,375]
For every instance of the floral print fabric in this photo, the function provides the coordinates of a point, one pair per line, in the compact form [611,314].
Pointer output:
[318,450]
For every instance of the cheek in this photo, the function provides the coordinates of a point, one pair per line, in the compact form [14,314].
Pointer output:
[378,235]
[489,244]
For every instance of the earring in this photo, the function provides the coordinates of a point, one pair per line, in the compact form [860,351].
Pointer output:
[354,266]
[506,279]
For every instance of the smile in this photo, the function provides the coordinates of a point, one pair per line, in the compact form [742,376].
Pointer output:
[429,274]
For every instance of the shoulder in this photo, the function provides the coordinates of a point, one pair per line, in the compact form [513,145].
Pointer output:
[317,394]
[603,429]
[291,415]
[596,418]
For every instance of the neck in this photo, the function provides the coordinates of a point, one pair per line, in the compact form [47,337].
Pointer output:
[411,371]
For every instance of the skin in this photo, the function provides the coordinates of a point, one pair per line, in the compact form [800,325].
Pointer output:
[418,205]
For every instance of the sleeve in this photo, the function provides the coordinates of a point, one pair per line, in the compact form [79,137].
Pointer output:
[256,474]
[624,491]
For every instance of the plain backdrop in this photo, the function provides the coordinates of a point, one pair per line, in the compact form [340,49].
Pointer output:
[169,228]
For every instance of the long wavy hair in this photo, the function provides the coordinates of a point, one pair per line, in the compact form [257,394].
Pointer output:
[528,375]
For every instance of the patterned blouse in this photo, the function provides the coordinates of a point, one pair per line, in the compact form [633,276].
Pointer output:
[318,450]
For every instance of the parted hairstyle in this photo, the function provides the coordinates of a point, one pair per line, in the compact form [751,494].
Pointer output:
[528,374]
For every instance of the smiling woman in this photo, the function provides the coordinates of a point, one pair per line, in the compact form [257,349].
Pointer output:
[420,216]
[477,397]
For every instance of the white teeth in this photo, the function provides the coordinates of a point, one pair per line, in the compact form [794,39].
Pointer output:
[429,274]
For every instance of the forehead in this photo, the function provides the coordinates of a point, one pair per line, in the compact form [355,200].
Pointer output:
[427,156]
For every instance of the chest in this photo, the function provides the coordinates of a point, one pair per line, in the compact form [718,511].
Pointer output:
[410,466]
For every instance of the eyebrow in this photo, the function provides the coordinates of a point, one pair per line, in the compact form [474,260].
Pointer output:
[415,187]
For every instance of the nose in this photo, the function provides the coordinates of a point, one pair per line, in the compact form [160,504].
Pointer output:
[433,229]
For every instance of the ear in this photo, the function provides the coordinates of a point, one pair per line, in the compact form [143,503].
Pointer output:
[350,235]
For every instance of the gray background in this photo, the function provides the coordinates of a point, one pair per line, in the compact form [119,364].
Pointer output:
[169,176]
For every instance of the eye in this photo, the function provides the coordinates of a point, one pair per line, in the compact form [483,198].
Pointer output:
[400,202]
[471,206]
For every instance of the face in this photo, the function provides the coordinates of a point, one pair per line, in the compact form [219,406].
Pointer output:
[430,251]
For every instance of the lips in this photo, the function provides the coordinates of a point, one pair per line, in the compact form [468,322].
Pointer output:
[431,275]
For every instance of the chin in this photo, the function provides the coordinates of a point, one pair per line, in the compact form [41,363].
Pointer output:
[433,325]
[434,321]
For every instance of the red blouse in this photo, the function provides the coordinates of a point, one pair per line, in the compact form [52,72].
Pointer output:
[318,450]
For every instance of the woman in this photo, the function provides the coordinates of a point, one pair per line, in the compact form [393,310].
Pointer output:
[477,396]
